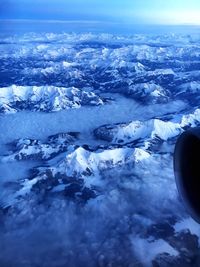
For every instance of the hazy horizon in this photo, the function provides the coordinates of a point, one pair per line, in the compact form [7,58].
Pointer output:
[98,21]
[22,26]
[151,12]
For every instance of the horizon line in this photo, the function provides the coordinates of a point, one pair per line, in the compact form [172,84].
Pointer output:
[98,22]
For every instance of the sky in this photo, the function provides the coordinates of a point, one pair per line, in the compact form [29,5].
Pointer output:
[125,11]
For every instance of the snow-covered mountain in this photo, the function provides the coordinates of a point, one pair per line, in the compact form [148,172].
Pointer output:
[44,98]
[24,149]
[148,92]
[95,178]
[137,130]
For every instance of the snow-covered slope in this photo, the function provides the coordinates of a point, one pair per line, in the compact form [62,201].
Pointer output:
[44,98]
[136,130]
[80,174]
[147,130]
[149,92]
[81,161]
[190,87]
[24,149]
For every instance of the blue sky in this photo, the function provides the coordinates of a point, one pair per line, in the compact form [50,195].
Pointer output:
[127,11]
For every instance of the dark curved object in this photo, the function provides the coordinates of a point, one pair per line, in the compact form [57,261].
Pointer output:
[187,170]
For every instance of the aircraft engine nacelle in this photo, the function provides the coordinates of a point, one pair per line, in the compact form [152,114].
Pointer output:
[187,170]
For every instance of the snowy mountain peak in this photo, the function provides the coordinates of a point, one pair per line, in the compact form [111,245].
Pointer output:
[44,98]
